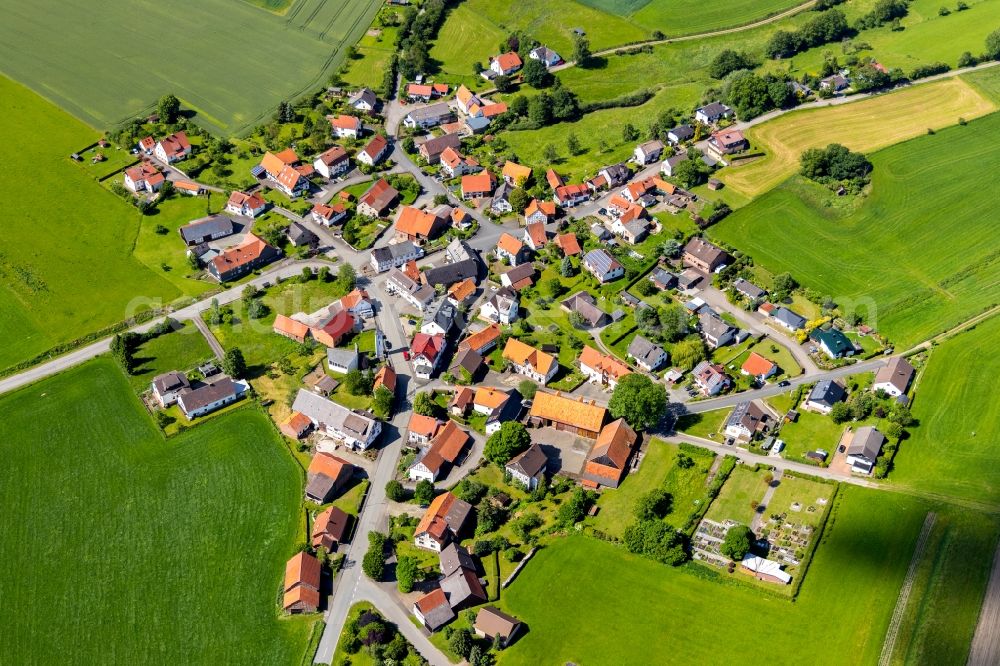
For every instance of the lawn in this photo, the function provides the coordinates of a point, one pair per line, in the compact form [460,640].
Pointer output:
[182,349]
[940,276]
[704,424]
[809,432]
[734,501]
[858,125]
[652,610]
[93,68]
[171,545]
[65,270]
[954,450]
[806,493]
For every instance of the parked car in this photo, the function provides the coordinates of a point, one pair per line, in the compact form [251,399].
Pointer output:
[784,382]
[406,354]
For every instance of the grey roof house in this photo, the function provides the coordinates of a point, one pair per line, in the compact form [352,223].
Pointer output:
[584,303]
[647,355]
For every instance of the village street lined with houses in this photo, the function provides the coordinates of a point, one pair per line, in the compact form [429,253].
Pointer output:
[497,370]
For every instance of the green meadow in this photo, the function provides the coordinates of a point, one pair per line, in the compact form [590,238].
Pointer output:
[917,256]
[121,547]
[66,265]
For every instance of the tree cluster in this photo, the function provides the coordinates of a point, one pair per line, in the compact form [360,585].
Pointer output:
[884,11]
[752,95]
[829,26]
[639,400]
[417,29]
[728,61]
[575,508]
[657,541]
[381,640]
[835,164]
[663,324]
[512,438]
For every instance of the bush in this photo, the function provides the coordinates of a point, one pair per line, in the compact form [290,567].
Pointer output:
[406,573]
[395,491]
[923,71]
[373,563]
[424,492]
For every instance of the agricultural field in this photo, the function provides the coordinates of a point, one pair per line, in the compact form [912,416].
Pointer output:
[118,545]
[109,42]
[859,126]
[940,276]
[953,449]
[866,550]
[68,274]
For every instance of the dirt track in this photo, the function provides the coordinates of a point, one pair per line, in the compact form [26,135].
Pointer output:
[985,650]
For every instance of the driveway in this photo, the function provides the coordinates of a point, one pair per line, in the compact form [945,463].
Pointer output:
[566,452]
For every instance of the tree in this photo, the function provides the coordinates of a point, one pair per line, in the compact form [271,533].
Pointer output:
[256,309]
[737,542]
[575,508]
[840,413]
[835,163]
[358,383]
[629,132]
[518,106]
[565,105]
[519,199]
[566,268]
[573,144]
[527,389]
[382,402]
[993,45]
[347,278]
[656,540]
[507,442]
[324,274]
[307,274]
[461,642]
[540,109]
[233,363]
[673,323]
[395,491]
[692,171]
[549,153]
[638,400]
[373,563]
[581,50]
[671,248]
[893,430]
[168,108]
[654,505]
[503,83]
[784,285]
[423,493]
[406,573]
[535,74]
[688,353]
[423,404]
[553,287]
[728,61]
[286,114]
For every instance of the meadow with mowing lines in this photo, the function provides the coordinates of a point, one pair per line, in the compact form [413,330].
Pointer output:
[892,257]
[864,125]
[119,545]
[100,66]
[66,265]
[577,583]
[953,449]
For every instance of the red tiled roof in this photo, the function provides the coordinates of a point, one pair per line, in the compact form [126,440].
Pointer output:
[569,244]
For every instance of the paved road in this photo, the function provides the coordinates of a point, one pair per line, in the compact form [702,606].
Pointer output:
[284,269]
[712,404]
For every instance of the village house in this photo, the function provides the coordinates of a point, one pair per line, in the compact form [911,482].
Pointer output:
[495,625]
[466,99]
[603,266]
[864,449]
[363,100]
[303,577]
[601,369]
[394,255]
[609,458]
[712,113]
[173,148]
[824,395]
[421,429]
[680,134]
[764,569]
[710,378]
[569,245]
[426,352]
[374,151]
[568,196]
[342,360]
[235,262]
[455,164]
[420,92]
[330,529]
[505,64]
[647,152]
[461,584]
[746,421]
[189,188]
[727,142]
[356,430]
[144,178]
[662,279]
[832,342]
[669,166]
[209,397]
[646,355]
[701,254]
[245,205]
[168,387]
[895,377]
[834,83]
[327,215]
[446,446]
[418,226]
[512,250]
[146,145]
[540,212]
[530,362]
[514,174]
[758,367]
[501,308]
[460,293]
[567,414]
[433,610]
[326,476]
[545,55]
[448,274]
[378,200]
[431,149]
[332,163]
[528,468]
[444,521]
[478,186]
[442,320]
[483,341]
[519,277]
[346,127]
[584,303]
[202,231]
[429,116]
[300,236]
[783,316]
[295,426]
[748,290]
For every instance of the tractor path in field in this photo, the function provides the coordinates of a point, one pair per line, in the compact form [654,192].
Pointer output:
[985,649]
[904,593]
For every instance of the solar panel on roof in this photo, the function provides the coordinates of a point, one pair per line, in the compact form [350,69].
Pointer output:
[257,171]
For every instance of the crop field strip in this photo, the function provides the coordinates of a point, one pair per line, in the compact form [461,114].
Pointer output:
[237,90]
